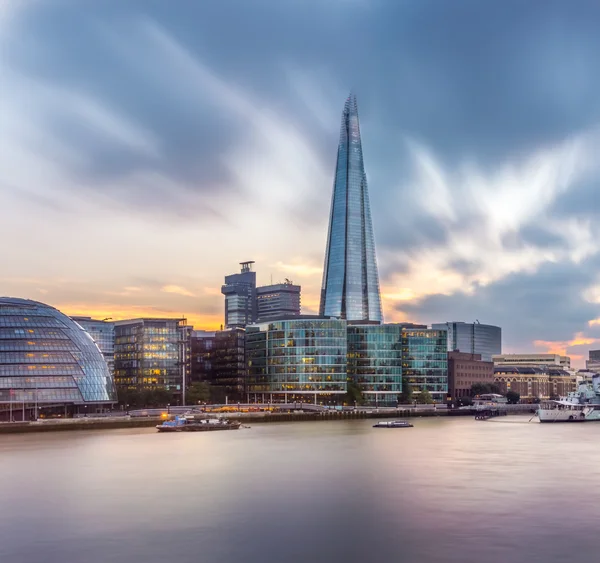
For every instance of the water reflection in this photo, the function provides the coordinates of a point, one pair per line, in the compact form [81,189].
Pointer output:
[446,490]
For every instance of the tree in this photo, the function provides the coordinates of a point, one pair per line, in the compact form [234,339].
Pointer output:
[513,397]
[464,401]
[424,397]
[481,388]
[198,392]
[353,393]
[406,397]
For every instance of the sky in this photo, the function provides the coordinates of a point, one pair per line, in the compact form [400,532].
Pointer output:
[147,147]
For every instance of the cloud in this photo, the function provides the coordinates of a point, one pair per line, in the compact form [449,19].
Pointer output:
[178,290]
[130,139]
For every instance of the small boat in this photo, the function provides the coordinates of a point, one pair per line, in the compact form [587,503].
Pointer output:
[190,423]
[393,424]
[175,425]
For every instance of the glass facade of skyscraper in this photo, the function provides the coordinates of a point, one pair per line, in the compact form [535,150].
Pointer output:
[350,288]
[375,361]
[425,361]
[297,360]
[473,338]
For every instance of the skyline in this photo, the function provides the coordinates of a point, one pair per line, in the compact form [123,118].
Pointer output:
[138,172]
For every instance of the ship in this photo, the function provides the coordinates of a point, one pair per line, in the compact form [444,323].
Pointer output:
[393,424]
[582,405]
[192,423]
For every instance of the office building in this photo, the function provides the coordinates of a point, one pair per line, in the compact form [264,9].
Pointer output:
[466,369]
[276,301]
[375,362]
[240,297]
[152,353]
[229,369]
[532,360]
[219,358]
[473,338]
[535,382]
[350,288]
[103,333]
[301,359]
[593,361]
[202,346]
[47,360]
[425,361]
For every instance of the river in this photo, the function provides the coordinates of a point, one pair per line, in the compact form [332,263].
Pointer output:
[448,490]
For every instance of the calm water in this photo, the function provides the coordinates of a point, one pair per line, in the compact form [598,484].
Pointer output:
[447,490]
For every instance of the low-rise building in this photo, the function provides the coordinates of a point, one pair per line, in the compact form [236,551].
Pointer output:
[531,360]
[466,369]
[535,382]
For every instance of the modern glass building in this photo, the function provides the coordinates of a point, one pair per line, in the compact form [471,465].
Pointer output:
[350,288]
[229,370]
[375,361]
[425,361]
[48,359]
[240,297]
[301,359]
[152,353]
[103,333]
[473,338]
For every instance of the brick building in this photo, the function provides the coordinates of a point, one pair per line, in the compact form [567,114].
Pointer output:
[464,369]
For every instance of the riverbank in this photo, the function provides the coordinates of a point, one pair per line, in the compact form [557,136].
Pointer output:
[246,418]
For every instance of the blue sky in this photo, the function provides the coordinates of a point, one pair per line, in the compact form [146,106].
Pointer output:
[147,147]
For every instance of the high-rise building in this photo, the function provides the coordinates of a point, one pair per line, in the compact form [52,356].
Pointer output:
[473,338]
[152,354]
[240,297]
[103,333]
[593,361]
[350,288]
[277,301]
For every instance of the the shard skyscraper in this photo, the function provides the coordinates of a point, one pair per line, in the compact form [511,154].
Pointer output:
[350,287]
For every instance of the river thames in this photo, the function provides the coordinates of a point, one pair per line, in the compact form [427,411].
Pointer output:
[448,490]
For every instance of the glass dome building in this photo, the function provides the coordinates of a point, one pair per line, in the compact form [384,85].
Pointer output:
[46,358]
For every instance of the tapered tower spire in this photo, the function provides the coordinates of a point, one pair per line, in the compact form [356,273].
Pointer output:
[350,287]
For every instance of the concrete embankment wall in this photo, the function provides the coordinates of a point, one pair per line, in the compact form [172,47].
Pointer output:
[77,424]
[245,418]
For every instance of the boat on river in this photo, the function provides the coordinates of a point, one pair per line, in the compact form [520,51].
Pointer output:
[191,423]
[582,405]
[393,424]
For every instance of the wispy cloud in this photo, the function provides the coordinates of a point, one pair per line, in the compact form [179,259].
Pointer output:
[178,290]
